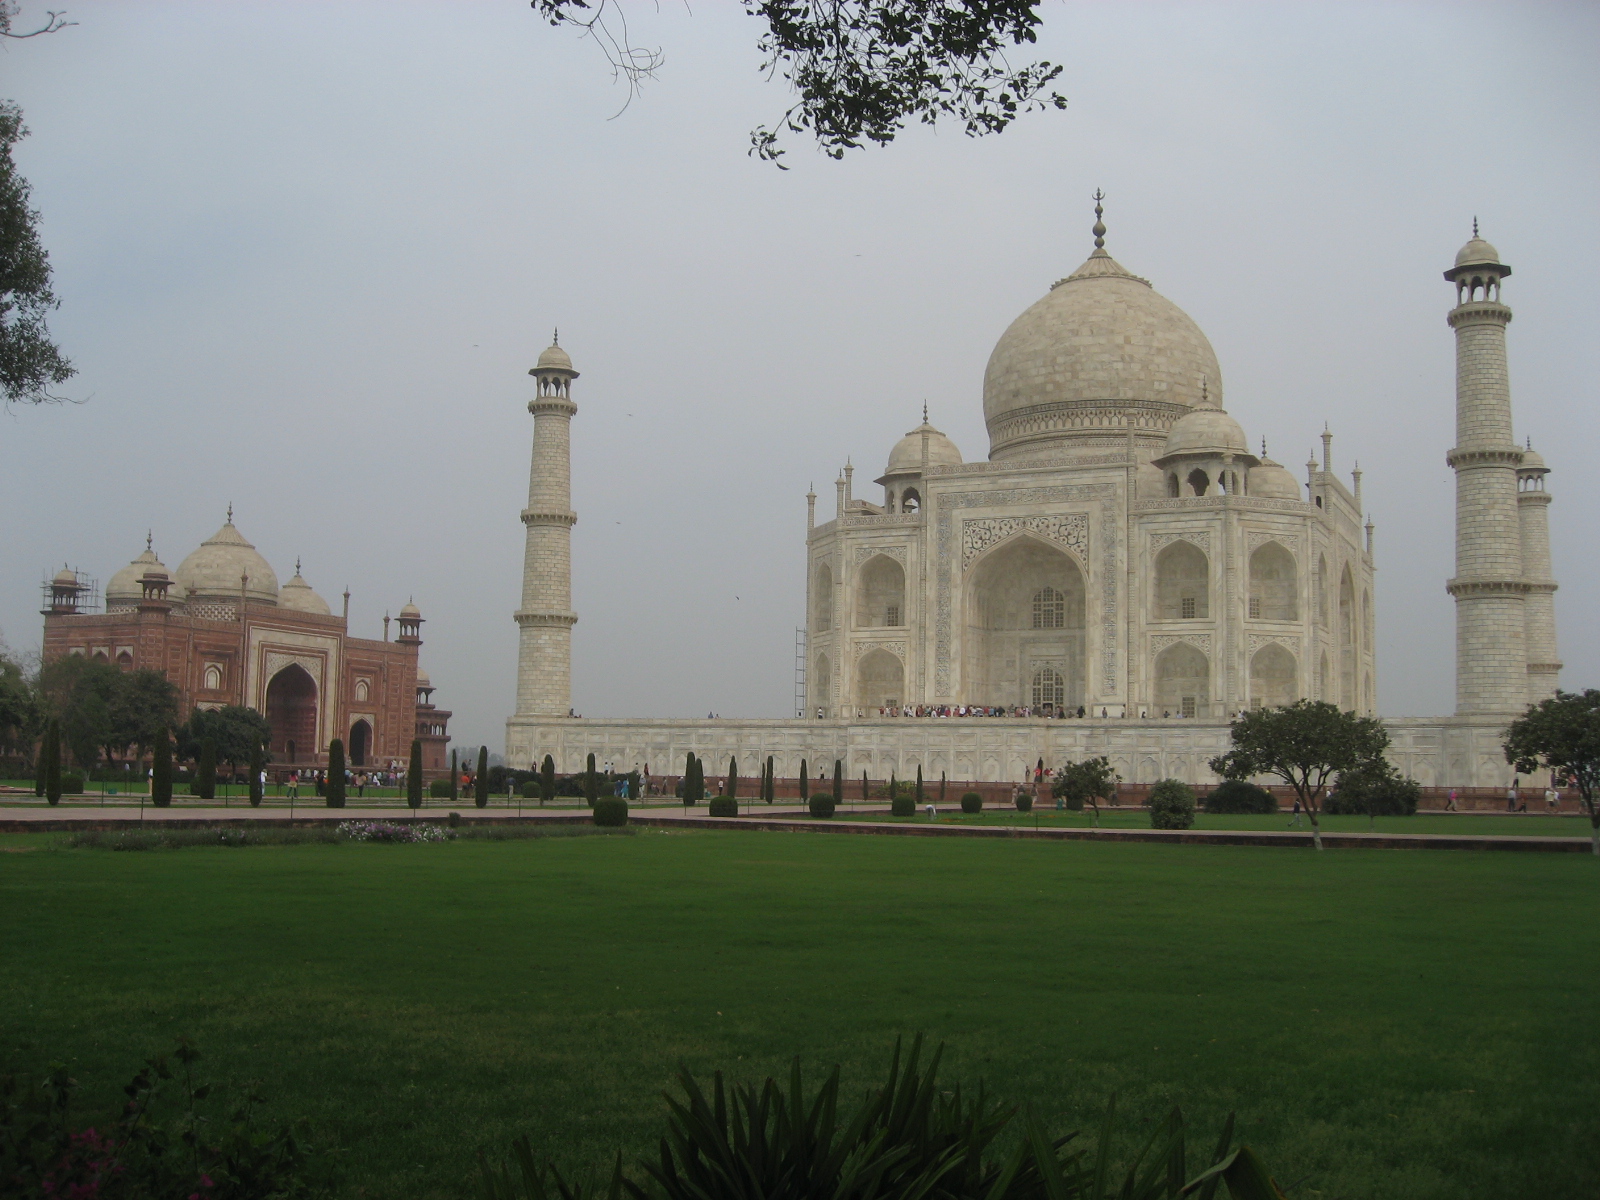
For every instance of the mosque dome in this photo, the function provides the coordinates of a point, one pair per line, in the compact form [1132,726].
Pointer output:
[554,358]
[1101,338]
[1206,430]
[65,575]
[410,611]
[124,587]
[1273,481]
[422,679]
[298,595]
[907,453]
[214,568]
[1475,252]
[1533,463]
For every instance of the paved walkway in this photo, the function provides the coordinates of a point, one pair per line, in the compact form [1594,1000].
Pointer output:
[790,818]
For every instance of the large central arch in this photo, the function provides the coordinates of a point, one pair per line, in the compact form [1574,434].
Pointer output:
[292,714]
[1026,613]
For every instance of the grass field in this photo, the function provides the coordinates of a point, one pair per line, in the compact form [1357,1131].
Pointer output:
[1386,1023]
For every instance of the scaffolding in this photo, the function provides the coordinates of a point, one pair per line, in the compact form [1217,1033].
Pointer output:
[799,672]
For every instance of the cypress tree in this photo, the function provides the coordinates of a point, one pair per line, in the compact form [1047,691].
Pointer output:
[805,783]
[919,785]
[696,791]
[733,778]
[838,782]
[865,792]
[52,763]
[414,775]
[161,770]
[480,782]
[894,787]
[547,780]
[941,789]
[772,782]
[256,768]
[455,779]
[591,783]
[688,779]
[205,775]
[40,767]
[335,788]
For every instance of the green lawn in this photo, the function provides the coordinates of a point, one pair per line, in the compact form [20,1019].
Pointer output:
[1386,1023]
[1531,825]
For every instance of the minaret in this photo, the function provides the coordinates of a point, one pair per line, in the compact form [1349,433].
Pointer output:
[544,650]
[1489,589]
[1533,507]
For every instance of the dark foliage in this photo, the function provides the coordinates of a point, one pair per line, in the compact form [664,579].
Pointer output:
[414,775]
[453,784]
[1240,796]
[732,790]
[257,763]
[1562,735]
[205,776]
[1171,805]
[161,770]
[1374,789]
[547,780]
[972,802]
[480,781]
[51,756]
[232,730]
[30,363]
[821,805]
[805,782]
[1023,800]
[838,781]
[724,806]
[72,783]
[334,793]
[440,789]
[591,783]
[610,810]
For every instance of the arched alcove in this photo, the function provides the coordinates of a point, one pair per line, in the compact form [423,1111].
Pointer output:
[292,712]
[822,684]
[822,598]
[1324,683]
[1273,586]
[1025,611]
[1183,681]
[910,501]
[1199,482]
[1347,642]
[213,678]
[360,743]
[1182,582]
[1322,590]
[880,680]
[880,594]
[1272,677]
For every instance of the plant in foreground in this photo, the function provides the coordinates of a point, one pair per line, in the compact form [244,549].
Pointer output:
[909,1140]
[1171,805]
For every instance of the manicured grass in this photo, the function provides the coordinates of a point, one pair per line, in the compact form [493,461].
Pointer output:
[1386,1023]
[1112,818]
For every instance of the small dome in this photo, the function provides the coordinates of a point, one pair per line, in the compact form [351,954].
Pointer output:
[554,358]
[214,568]
[125,588]
[423,681]
[65,575]
[1476,251]
[298,595]
[1533,463]
[907,453]
[1273,481]
[1206,430]
[410,612]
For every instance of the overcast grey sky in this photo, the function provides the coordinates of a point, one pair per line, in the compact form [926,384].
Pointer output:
[307,253]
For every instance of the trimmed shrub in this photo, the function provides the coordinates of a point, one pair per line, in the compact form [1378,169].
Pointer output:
[724,806]
[591,783]
[452,784]
[257,770]
[71,784]
[821,805]
[1237,796]
[161,769]
[480,781]
[440,789]
[205,775]
[903,806]
[733,779]
[414,775]
[838,782]
[972,802]
[919,798]
[1377,790]
[530,789]
[1171,805]
[335,792]
[1023,800]
[805,782]
[771,790]
[610,810]
[547,780]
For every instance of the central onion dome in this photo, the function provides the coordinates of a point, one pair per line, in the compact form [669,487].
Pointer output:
[1101,351]
[214,568]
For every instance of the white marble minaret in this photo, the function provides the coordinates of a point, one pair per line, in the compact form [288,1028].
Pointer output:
[1491,585]
[544,651]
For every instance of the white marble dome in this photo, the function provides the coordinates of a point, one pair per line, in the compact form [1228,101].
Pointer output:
[1477,252]
[554,358]
[214,568]
[1101,334]
[907,453]
[1273,481]
[124,587]
[299,596]
[1206,430]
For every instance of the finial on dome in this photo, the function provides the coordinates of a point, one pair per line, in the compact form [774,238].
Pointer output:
[1263,445]
[230,512]
[924,412]
[1099,229]
[1474,226]
[297,564]
[555,336]
[149,537]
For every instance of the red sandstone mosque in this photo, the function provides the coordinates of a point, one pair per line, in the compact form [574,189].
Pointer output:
[223,629]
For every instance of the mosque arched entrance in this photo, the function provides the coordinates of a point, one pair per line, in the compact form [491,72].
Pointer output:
[360,743]
[292,713]
[1026,628]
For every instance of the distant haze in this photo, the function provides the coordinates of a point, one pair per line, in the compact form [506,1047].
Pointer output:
[307,254]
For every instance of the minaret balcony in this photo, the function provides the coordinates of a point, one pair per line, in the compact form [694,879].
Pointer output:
[534,517]
[1497,456]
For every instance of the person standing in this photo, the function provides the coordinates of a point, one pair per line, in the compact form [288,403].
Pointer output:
[1450,805]
[1511,798]
[1295,823]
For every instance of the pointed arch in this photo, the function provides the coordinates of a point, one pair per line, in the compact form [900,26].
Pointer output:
[1347,641]
[1273,584]
[822,597]
[1183,681]
[880,680]
[880,593]
[1321,583]
[1026,610]
[1272,677]
[1182,583]
[292,712]
[822,683]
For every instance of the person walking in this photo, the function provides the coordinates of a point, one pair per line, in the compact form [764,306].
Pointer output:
[1295,823]
[1552,799]
[294,785]
[1450,805]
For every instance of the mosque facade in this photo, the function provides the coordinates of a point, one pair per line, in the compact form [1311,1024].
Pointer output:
[1121,575]
[225,632]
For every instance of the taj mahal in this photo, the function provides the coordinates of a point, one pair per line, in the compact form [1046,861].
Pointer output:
[1122,573]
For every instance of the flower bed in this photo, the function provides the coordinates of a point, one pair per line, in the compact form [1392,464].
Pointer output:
[387,831]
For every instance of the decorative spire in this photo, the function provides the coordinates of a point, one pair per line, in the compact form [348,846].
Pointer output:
[1474,226]
[555,336]
[1099,229]
[924,412]
[297,564]
[230,512]
[149,534]
[1263,445]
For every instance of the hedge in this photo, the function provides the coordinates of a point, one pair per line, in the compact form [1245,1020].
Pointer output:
[610,810]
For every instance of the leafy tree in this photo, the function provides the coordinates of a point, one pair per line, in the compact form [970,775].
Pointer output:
[547,780]
[52,762]
[861,70]
[1562,735]
[19,711]
[1373,789]
[234,731]
[1087,782]
[148,701]
[480,781]
[30,363]
[1304,744]
[414,775]
[205,776]
[591,783]
[335,790]
[257,769]
[104,710]
[161,770]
